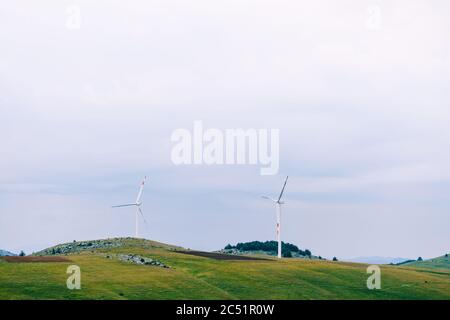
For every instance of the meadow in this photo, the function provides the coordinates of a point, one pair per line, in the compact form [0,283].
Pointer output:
[193,277]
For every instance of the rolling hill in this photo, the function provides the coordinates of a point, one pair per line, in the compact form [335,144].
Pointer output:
[377,260]
[126,268]
[442,262]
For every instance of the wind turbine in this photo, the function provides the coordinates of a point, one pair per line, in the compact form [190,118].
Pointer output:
[278,204]
[138,204]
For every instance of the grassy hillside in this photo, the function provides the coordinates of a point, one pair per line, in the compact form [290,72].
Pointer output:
[193,277]
[442,262]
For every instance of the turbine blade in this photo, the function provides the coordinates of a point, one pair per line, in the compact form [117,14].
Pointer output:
[282,190]
[267,198]
[124,205]
[140,190]
[140,211]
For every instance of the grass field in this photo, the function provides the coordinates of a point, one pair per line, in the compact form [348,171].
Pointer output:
[194,277]
[442,262]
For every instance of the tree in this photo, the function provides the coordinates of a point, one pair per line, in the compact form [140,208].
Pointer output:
[335,259]
[228,247]
[287,254]
[446,255]
[22,254]
[419,259]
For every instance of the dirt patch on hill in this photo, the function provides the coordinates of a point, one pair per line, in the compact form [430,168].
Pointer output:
[220,256]
[34,259]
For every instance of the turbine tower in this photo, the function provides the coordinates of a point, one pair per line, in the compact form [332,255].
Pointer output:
[138,204]
[278,204]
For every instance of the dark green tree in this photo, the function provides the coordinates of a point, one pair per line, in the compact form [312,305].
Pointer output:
[287,254]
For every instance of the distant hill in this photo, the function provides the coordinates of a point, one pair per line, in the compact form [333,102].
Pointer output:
[442,262]
[268,247]
[377,260]
[4,253]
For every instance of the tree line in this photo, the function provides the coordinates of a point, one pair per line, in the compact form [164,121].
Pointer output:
[270,246]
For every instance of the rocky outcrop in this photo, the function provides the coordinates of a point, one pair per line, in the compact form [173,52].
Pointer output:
[140,260]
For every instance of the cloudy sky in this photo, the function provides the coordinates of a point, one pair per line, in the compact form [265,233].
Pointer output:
[360,91]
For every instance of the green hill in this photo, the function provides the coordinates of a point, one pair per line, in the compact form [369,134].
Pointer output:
[141,269]
[442,262]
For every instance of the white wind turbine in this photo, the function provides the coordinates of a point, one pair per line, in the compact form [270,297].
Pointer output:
[138,204]
[278,204]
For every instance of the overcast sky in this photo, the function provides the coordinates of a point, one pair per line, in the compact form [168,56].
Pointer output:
[360,91]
